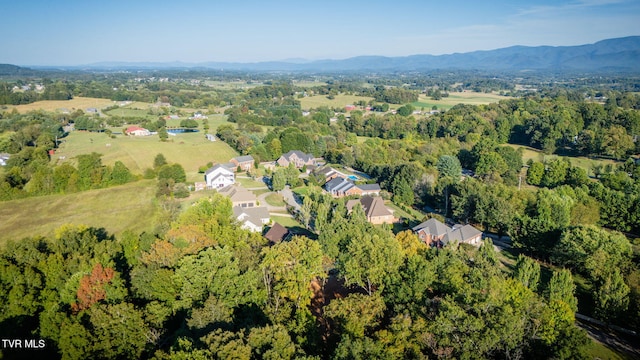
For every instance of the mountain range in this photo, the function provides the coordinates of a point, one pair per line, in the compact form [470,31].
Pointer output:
[619,54]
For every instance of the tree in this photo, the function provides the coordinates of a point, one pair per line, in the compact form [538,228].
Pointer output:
[163,134]
[159,161]
[369,260]
[278,180]
[535,173]
[120,174]
[449,166]
[527,271]
[561,288]
[612,297]
[174,172]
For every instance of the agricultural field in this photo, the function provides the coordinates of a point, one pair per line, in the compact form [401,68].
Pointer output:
[81,103]
[129,111]
[455,98]
[316,101]
[128,207]
[191,150]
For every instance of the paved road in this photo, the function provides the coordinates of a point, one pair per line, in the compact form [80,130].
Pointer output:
[614,340]
[624,344]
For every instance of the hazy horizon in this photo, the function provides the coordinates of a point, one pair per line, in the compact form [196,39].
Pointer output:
[72,33]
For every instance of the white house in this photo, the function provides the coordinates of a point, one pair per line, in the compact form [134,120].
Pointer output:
[219,177]
[252,219]
[138,131]
[3,159]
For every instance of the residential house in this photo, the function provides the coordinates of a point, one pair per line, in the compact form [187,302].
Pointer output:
[374,209]
[244,162]
[340,187]
[91,110]
[4,157]
[435,233]
[329,173]
[252,219]
[298,158]
[219,177]
[137,131]
[239,196]
[276,234]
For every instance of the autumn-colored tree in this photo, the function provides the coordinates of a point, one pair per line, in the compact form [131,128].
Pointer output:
[91,288]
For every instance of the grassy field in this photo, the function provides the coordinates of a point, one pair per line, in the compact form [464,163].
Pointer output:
[275,200]
[127,207]
[73,104]
[530,153]
[454,98]
[128,111]
[313,102]
[191,150]
[249,183]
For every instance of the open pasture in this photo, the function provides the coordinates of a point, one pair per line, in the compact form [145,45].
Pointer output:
[126,207]
[191,150]
[81,103]
[455,98]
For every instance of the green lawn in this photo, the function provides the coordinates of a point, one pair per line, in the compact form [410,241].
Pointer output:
[191,150]
[275,200]
[128,207]
[286,221]
[249,183]
[597,350]
[130,112]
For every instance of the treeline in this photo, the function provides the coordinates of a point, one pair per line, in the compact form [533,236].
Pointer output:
[205,288]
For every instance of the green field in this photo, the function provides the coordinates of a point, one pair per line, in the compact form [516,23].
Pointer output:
[127,207]
[455,98]
[128,111]
[275,200]
[191,150]
[316,101]
[586,163]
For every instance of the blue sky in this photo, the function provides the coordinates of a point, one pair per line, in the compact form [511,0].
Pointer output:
[72,32]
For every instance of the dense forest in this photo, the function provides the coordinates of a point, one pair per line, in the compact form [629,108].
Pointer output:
[198,286]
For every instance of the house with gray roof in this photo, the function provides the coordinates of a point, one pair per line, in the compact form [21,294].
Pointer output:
[239,196]
[435,233]
[298,158]
[251,218]
[218,177]
[244,162]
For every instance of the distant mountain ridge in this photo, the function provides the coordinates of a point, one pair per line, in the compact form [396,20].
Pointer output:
[619,54]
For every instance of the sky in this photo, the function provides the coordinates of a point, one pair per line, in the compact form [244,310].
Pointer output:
[80,32]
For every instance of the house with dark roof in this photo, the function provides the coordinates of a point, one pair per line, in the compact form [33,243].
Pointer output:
[244,162]
[435,233]
[219,176]
[374,209]
[329,173]
[298,158]
[276,234]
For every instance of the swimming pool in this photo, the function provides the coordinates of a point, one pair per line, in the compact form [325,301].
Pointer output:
[180,131]
[352,177]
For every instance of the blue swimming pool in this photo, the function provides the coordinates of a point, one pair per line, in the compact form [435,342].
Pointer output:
[180,131]
[352,177]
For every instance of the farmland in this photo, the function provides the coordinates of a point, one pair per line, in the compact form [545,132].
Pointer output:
[454,98]
[314,102]
[81,103]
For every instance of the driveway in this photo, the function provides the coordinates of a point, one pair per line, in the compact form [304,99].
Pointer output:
[290,198]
